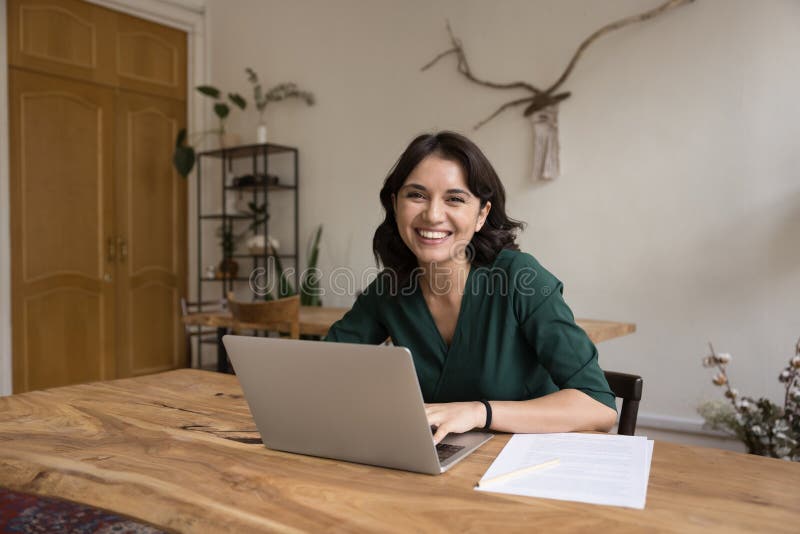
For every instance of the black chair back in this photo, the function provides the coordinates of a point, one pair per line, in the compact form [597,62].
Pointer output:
[629,389]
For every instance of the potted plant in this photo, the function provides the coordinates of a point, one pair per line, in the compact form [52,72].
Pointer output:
[254,242]
[277,93]
[309,279]
[765,428]
[183,157]
[228,268]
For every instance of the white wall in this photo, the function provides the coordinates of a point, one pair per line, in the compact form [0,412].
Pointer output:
[679,204]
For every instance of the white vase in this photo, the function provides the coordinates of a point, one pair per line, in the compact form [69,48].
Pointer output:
[261,133]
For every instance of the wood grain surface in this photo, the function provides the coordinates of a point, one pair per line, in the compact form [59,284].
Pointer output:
[316,320]
[176,449]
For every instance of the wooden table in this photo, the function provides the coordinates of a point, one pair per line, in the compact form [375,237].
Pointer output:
[175,449]
[316,320]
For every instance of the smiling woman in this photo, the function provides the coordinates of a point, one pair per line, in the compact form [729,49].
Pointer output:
[494,344]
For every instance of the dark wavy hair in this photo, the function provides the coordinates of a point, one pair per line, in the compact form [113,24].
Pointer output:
[498,232]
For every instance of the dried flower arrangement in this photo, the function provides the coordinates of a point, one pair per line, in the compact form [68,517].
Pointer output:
[765,428]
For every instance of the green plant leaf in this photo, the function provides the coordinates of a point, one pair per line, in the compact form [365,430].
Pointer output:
[313,249]
[252,77]
[208,90]
[221,109]
[257,209]
[180,139]
[253,226]
[309,285]
[183,160]
[285,288]
[237,99]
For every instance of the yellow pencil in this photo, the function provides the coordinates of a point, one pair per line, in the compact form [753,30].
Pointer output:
[519,472]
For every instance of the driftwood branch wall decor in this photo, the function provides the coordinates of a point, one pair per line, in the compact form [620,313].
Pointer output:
[541,105]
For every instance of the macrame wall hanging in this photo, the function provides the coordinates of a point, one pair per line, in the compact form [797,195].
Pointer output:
[542,104]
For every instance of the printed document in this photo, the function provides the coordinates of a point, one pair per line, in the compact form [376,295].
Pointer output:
[594,468]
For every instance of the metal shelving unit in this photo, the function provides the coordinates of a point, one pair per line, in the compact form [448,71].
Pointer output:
[259,155]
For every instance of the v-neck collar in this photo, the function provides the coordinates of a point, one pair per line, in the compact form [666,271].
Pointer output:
[445,348]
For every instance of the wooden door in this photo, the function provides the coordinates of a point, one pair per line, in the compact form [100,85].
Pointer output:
[61,192]
[151,224]
[98,217]
[151,196]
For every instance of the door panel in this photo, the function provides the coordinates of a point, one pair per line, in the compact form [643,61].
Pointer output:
[61,222]
[67,127]
[156,339]
[151,216]
[64,37]
[64,320]
[150,58]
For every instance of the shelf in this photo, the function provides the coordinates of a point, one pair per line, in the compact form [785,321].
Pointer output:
[235,183]
[284,256]
[226,216]
[248,151]
[249,188]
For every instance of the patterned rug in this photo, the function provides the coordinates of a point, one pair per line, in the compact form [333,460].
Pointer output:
[24,513]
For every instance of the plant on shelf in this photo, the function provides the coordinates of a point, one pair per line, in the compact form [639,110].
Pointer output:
[259,212]
[765,428]
[254,241]
[183,157]
[256,245]
[279,92]
[228,268]
[309,278]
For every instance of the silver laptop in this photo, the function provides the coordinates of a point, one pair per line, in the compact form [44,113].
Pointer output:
[359,403]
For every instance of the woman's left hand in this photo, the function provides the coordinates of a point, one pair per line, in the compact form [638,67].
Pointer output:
[455,417]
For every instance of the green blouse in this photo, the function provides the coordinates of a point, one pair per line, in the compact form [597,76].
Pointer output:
[515,338]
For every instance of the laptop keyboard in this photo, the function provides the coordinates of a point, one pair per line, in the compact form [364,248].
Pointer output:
[445,450]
